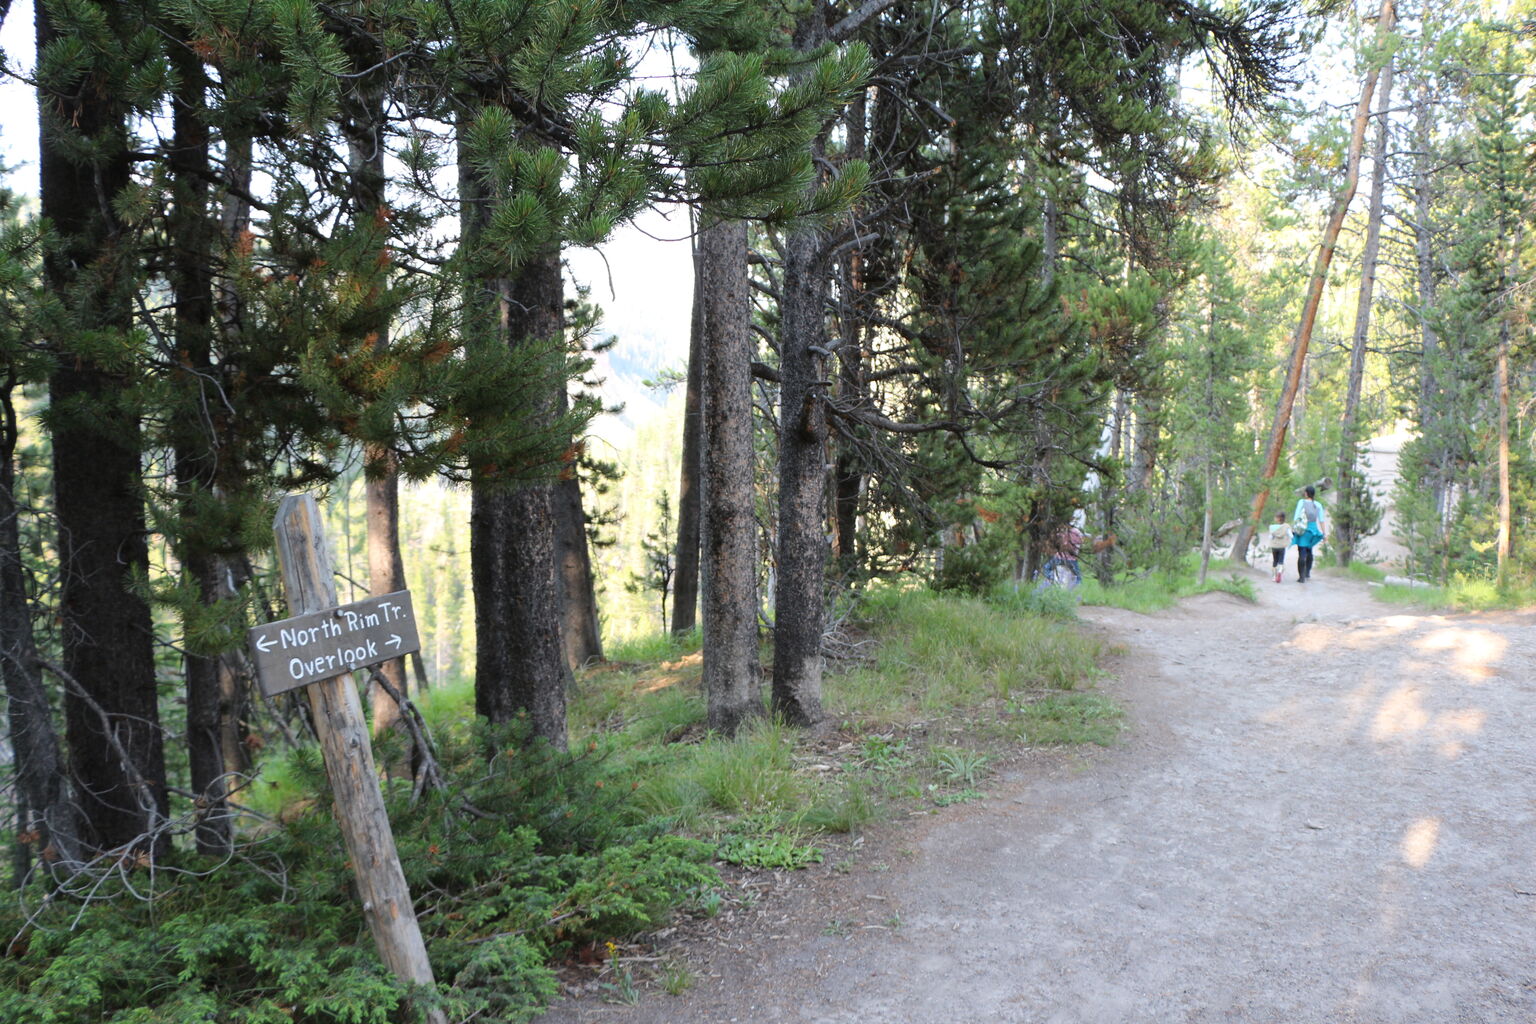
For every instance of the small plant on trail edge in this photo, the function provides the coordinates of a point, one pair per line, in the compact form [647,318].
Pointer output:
[958,766]
[622,989]
[882,753]
[961,797]
[768,852]
[1070,718]
[675,978]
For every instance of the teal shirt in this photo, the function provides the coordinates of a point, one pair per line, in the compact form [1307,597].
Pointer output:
[1315,532]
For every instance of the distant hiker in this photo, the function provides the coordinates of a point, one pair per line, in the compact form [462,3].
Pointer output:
[1067,543]
[1309,525]
[1279,540]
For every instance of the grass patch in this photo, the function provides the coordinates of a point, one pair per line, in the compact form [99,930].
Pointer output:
[1070,718]
[1160,589]
[656,647]
[1464,593]
[1365,572]
[942,654]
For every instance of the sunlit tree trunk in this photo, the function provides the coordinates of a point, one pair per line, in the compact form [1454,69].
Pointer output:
[1345,532]
[728,528]
[685,579]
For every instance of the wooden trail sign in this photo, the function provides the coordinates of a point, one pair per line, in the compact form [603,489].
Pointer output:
[308,648]
[305,560]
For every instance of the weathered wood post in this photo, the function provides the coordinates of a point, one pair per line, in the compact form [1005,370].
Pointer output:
[305,560]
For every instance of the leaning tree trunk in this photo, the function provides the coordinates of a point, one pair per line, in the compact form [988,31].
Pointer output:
[685,577]
[1303,335]
[728,527]
[1345,527]
[112,716]
[520,666]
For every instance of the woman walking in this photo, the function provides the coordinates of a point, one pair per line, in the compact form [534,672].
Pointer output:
[1310,526]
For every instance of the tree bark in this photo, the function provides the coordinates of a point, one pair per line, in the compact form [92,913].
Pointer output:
[1148,435]
[727,525]
[363,124]
[1345,532]
[1429,338]
[579,623]
[1501,391]
[107,635]
[1303,336]
[520,666]
[1208,516]
[801,553]
[848,471]
[685,578]
[520,661]
[45,807]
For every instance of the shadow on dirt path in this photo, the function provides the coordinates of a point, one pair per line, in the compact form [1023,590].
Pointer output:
[1323,812]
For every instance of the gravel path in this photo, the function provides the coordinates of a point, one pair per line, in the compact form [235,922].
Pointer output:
[1323,813]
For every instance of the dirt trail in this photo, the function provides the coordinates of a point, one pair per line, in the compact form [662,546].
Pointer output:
[1324,812]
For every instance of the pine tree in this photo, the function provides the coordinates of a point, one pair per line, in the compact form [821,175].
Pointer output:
[95,63]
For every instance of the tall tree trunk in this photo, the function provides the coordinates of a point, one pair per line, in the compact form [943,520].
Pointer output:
[1303,335]
[728,527]
[685,578]
[579,623]
[1501,393]
[215,685]
[1345,531]
[1147,438]
[1430,420]
[848,471]
[1207,518]
[363,124]
[520,665]
[112,717]
[45,807]
[801,555]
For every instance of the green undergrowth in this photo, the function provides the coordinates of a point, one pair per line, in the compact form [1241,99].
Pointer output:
[531,857]
[1365,572]
[527,857]
[1464,593]
[1149,592]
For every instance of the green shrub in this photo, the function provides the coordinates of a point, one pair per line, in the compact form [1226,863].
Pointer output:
[528,854]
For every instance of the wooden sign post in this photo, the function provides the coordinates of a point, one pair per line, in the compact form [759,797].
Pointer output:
[305,560]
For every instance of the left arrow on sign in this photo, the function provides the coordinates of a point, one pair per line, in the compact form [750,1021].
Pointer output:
[265,644]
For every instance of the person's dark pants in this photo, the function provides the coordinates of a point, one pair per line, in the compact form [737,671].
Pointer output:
[1303,562]
[1279,554]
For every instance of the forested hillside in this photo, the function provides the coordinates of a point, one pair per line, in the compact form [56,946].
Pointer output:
[965,274]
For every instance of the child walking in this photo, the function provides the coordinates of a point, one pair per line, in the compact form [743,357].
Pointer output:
[1279,540]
